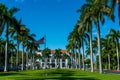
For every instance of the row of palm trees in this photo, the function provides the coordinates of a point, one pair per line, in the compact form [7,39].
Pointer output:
[18,33]
[92,14]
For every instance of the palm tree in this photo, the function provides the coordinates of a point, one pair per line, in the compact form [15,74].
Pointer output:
[87,23]
[58,56]
[5,20]
[77,37]
[84,36]
[15,30]
[115,35]
[106,48]
[32,47]
[29,39]
[11,49]
[66,56]
[97,10]
[72,45]
[46,54]
[24,35]
[69,50]
[95,48]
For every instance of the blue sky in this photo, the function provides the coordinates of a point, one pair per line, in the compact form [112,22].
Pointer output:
[55,18]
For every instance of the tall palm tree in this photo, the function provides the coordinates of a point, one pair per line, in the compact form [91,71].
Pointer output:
[97,10]
[15,30]
[21,34]
[24,35]
[106,48]
[77,42]
[87,23]
[72,45]
[69,48]
[5,20]
[32,47]
[11,49]
[95,48]
[115,35]
[84,36]
[29,39]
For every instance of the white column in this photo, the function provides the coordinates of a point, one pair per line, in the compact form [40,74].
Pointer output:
[45,63]
[50,63]
[40,63]
[66,63]
[55,63]
[60,63]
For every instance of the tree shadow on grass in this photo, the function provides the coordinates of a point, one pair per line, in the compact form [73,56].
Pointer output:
[9,73]
[67,75]
[65,78]
[61,79]
[56,74]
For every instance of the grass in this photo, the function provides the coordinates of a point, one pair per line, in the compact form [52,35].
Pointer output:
[57,74]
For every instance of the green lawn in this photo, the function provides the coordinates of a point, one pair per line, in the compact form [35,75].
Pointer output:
[57,74]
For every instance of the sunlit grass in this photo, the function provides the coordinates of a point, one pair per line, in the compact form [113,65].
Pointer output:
[57,74]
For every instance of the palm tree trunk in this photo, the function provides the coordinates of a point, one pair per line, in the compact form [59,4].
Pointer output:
[6,49]
[117,55]
[99,49]
[83,56]
[11,58]
[22,56]
[91,51]
[79,58]
[17,53]
[33,62]
[75,58]
[71,61]
[108,61]
[27,59]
